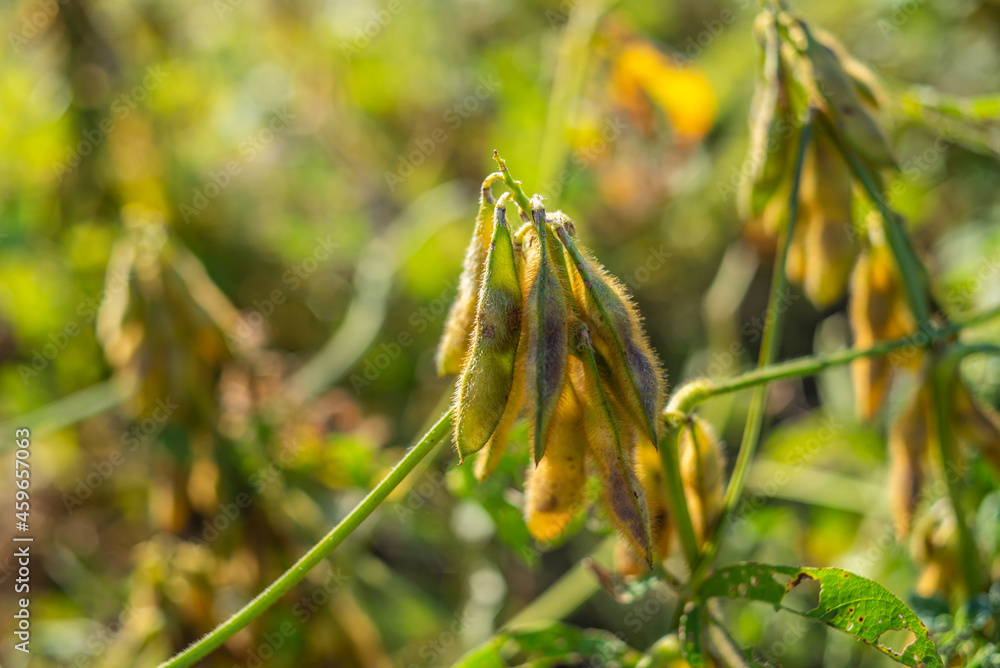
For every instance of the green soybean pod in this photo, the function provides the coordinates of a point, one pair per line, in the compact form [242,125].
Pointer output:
[611,443]
[458,325]
[488,375]
[547,322]
[616,330]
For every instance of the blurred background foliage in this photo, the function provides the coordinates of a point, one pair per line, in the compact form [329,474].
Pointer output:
[230,233]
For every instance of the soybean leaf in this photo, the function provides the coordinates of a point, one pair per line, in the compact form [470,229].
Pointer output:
[551,644]
[847,602]
[690,633]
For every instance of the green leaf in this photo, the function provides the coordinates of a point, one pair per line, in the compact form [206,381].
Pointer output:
[690,633]
[847,602]
[551,644]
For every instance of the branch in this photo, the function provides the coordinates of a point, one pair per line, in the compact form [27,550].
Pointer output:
[317,553]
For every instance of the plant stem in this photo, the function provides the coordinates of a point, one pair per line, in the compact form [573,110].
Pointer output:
[699,391]
[317,553]
[944,375]
[512,185]
[915,284]
[911,270]
[674,487]
[770,344]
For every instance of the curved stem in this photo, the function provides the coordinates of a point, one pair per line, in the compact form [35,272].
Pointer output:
[317,553]
[770,344]
[914,278]
[696,392]
[512,185]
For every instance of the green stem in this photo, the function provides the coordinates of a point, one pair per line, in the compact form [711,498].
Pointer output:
[512,185]
[670,458]
[696,392]
[569,592]
[317,553]
[770,343]
[915,284]
[911,270]
[943,377]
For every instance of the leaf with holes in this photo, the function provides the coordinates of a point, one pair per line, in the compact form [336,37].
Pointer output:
[847,602]
[690,634]
[551,643]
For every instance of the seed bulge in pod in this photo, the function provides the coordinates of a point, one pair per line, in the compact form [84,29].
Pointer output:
[769,141]
[866,84]
[489,457]
[611,443]
[554,489]
[877,312]
[830,250]
[547,321]
[845,110]
[615,327]
[909,440]
[454,344]
[488,376]
[702,467]
[650,471]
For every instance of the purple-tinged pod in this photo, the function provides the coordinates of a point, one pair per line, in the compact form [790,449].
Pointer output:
[616,330]
[488,375]
[546,319]
[611,443]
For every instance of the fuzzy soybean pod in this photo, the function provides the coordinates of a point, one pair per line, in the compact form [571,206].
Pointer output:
[611,443]
[702,468]
[649,470]
[615,327]
[489,457]
[837,91]
[488,376]
[546,317]
[909,441]
[769,131]
[454,344]
[554,489]
[830,249]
